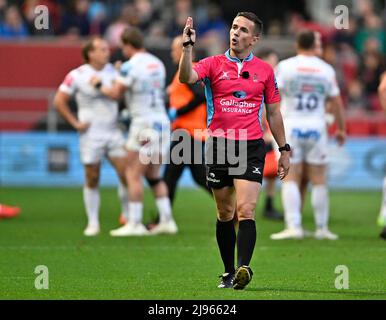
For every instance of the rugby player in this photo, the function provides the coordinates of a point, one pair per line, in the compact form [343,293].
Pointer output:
[306,83]
[187,112]
[142,82]
[382,213]
[97,124]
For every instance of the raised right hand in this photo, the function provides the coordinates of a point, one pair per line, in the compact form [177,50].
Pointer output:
[189,33]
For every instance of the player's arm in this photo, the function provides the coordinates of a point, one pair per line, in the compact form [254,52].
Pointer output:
[61,103]
[336,106]
[115,92]
[275,121]
[382,91]
[186,72]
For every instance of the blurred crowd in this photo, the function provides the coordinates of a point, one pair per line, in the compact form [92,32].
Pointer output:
[357,54]
[157,18]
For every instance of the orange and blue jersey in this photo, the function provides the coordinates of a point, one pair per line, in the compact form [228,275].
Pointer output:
[179,97]
[236,92]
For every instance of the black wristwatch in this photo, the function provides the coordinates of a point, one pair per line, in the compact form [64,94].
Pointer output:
[187,43]
[286,147]
[98,85]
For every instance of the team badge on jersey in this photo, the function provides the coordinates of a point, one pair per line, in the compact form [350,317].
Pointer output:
[68,80]
[239,94]
[225,76]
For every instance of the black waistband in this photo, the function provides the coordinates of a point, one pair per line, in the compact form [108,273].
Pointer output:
[256,141]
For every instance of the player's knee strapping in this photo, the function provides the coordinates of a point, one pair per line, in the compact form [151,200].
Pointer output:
[153,182]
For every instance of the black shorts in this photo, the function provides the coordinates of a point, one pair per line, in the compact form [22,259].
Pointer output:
[229,159]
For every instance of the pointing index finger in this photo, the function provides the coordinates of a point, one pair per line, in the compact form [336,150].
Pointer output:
[189,22]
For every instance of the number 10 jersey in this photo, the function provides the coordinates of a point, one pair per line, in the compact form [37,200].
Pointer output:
[305,83]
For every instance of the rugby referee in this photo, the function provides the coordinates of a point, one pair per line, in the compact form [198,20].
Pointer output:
[237,84]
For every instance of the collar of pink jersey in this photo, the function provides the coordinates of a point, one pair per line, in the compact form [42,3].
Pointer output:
[234,59]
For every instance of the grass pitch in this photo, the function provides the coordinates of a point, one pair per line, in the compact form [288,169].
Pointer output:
[185,266]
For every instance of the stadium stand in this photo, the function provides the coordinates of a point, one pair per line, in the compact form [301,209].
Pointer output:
[33,61]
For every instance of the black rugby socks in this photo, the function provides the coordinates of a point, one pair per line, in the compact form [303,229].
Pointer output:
[226,240]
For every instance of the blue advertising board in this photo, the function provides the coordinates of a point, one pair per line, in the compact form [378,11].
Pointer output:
[52,159]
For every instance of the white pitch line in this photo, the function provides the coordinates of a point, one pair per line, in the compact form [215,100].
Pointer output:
[168,247]
[128,247]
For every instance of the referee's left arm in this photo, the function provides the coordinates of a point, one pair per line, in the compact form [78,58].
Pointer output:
[275,121]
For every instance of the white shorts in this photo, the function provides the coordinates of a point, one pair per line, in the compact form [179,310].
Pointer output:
[150,137]
[308,140]
[93,148]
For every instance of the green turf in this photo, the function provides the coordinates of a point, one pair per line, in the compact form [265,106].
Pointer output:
[185,266]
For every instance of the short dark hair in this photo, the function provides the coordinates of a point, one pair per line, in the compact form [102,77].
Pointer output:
[255,19]
[305,39]
[133,36]
[89,46]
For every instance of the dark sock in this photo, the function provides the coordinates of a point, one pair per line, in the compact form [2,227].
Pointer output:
[246,239]
[268,203]
[226,240]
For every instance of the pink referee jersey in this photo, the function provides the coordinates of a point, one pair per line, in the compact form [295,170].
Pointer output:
[235,93]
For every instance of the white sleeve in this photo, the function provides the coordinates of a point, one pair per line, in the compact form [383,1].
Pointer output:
[126,76]
[279,75]
[69,83]
[334,88]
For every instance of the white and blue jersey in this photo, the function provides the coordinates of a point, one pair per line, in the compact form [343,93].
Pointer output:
[305,83]
[144,76]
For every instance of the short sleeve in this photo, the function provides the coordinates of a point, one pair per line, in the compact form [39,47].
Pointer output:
[203,68]
[271,92]
[279,75]
[334,88]
[126,74]
[69,84]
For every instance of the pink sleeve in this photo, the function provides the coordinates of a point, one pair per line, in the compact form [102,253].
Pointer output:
[271,92]
[203,68]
